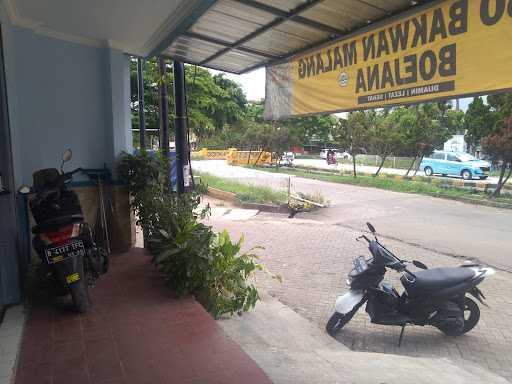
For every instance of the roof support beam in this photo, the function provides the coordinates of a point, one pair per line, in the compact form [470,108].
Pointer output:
[298,19]
[140,92]
[227,44]
[183,26]
[278,21]
[374,6]
[424,4]
[180,128]
[164,119]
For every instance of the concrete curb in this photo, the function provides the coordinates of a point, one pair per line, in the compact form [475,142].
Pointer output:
[266,207]
[232,198]
[223,195]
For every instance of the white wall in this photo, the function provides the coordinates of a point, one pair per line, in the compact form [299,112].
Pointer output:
[455,144]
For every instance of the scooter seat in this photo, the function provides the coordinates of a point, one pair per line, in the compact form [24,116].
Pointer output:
[435,279]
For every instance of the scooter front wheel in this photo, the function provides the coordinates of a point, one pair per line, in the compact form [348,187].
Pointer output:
[338,321]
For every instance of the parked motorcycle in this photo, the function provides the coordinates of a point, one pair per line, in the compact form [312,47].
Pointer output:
[63,241]
[436,297]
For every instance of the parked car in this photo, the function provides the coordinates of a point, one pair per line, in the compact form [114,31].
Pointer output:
[455,164]
[343,155]
[340,155]
[288,158]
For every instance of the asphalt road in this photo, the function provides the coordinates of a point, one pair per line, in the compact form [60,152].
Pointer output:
[448,227]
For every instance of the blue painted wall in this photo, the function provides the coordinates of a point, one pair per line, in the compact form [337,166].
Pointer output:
[67,95]
[60,95]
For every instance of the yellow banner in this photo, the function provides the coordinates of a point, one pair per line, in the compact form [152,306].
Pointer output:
[454,48]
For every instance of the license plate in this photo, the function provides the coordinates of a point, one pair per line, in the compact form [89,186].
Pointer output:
[65,251]
[360,264]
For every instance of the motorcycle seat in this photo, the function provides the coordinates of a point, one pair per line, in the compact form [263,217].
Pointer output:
[435,279]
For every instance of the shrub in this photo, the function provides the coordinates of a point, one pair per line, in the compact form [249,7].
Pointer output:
[190,255]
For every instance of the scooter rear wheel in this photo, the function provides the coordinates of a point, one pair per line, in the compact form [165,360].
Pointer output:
[471,314]
[80,295]
[471,318]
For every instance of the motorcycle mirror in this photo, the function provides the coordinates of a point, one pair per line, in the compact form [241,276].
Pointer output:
[419,264]
[67,155]
[24,190]
[371,228]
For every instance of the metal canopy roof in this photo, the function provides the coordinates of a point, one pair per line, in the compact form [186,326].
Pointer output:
[241,35]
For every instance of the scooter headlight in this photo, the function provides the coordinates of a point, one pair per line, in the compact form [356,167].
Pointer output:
[349,282]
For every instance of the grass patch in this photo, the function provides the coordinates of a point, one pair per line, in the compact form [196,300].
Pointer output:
[388,163]
[315,197]
[404,186]
[247,193]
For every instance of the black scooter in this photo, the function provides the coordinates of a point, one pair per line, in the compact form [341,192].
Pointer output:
[63,241]
[436,297]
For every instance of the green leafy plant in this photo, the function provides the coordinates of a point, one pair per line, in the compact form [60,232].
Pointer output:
[192,257]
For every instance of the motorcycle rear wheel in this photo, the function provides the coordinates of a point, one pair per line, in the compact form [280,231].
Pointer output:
[471,318]
[80,295]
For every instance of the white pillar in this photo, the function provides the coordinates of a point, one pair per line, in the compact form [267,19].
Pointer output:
[118,104]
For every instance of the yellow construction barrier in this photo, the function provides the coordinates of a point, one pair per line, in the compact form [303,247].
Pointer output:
[199,154]
[211,154]
[236,157]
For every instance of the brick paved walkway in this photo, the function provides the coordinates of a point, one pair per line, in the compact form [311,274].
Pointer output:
[314,259]
[137,333]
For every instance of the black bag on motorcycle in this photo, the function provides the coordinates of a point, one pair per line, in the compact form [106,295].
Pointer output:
[66,204]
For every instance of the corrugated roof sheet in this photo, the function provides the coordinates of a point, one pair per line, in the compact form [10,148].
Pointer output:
[240,35]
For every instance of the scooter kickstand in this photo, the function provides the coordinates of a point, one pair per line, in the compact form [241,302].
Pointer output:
[401,335]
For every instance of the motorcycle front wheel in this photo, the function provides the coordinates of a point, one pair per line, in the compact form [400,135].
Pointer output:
[338,321]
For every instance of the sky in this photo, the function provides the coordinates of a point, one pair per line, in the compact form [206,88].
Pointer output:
[253,84]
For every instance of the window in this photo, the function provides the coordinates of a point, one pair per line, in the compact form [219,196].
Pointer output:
[467,157]
[452,158]
[438,156]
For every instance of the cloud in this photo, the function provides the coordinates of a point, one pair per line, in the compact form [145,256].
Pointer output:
[253,83]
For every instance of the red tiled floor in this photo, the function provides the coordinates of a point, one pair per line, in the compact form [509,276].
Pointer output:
[136,333]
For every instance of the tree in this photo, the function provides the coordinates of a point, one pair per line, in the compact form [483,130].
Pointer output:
[212,101]
[280,139]
[501,107]
[230,106]
[354,133]
[386,137]
[423,131]
[478,122]
[454,120]
[498,146]
[312,128]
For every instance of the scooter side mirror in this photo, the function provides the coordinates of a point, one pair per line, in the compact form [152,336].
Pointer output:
[66,156]
[419,264]
[371,228]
